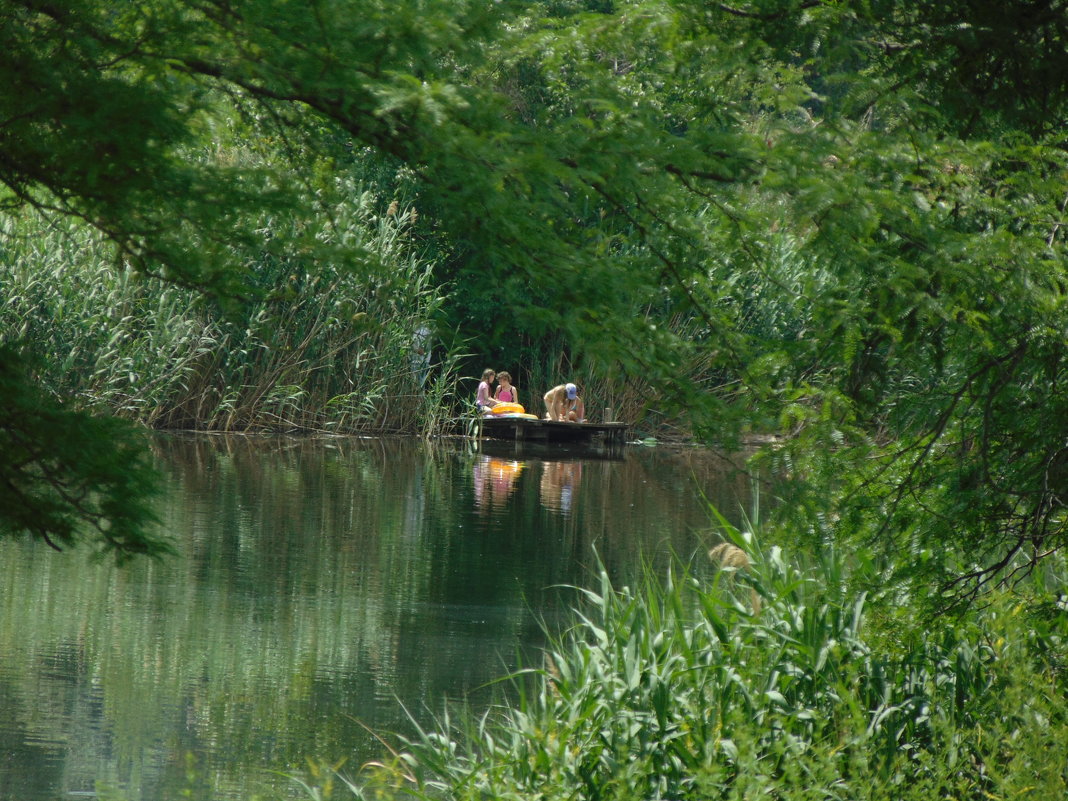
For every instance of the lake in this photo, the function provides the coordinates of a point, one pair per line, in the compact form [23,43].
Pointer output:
[328,592]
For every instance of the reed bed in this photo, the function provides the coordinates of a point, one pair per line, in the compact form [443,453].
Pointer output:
[760,679]
[321,348]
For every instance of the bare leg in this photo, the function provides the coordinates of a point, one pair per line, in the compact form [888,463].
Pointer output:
[549,407]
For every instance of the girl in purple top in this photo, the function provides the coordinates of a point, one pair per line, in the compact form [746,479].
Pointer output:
[484,399]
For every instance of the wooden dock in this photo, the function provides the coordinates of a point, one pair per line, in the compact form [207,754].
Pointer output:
[612,435]
[542,451]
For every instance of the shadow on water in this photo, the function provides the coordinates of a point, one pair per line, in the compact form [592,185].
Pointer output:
[323,588]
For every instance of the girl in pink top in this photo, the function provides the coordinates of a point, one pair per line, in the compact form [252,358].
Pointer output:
[506,393]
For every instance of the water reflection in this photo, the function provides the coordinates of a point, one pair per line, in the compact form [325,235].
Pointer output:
[559,483]
[495,481]
[323,587]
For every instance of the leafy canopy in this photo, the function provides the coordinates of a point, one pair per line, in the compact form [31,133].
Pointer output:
[856,209]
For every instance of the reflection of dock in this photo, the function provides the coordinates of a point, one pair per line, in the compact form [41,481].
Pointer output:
[524,429]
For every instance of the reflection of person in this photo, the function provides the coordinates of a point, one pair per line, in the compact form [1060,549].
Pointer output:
[481,479]
[562,403]
[559,481]
[484,398]
[506,393]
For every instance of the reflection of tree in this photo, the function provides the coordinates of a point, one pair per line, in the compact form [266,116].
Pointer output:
[559,483]
[26,769]
[495,481]
[304,584]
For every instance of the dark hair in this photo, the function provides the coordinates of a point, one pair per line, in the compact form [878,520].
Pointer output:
[487,373]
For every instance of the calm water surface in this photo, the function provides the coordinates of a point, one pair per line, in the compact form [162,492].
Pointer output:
[323,587]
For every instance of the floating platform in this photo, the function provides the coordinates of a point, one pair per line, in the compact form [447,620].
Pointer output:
[526,429]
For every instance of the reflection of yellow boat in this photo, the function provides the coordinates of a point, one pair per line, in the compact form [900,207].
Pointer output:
[495,480]
[505,469]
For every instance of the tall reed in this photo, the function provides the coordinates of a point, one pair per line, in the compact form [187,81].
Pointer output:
[326,347]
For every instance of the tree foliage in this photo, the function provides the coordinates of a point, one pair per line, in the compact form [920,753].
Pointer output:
[66,476]
[856,209]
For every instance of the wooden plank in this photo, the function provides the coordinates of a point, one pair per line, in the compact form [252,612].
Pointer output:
[521,428]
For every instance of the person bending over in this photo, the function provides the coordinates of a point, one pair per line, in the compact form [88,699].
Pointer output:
[563,404]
